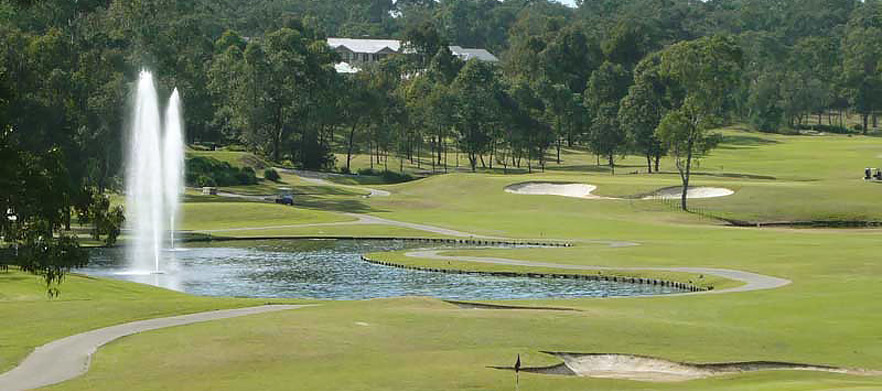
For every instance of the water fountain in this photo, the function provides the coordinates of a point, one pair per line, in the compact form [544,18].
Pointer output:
[154,179]
[173,162]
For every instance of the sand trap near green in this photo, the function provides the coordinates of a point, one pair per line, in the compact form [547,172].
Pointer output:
[652,369]
[691,193]
[574,190]
[584,190]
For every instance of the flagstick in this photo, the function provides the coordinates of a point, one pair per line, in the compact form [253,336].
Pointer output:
[517,368]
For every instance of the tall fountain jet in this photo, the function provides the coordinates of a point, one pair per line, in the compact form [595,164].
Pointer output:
[173,162]
[154,179]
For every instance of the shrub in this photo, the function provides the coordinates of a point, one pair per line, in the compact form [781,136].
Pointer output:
[205,181]
[204,171]
[388,176]
[271,175]
[235,148]
[246,176]
[826,128]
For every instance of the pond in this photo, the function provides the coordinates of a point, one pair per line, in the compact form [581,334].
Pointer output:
[333,269]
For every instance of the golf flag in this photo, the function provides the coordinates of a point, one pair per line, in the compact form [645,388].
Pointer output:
[517,368]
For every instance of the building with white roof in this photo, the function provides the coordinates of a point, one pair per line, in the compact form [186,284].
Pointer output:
[468,54]
[355,51]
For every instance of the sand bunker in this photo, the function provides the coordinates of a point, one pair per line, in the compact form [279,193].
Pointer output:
[574,190]
[642,368]
[692,193]
[583,190]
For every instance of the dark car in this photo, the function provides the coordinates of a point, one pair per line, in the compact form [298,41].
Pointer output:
[285,200]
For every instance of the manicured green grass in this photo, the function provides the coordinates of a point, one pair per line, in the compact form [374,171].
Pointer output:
[236,159]
[216,215]
[28,318]
[429,345]
[342,230]
[830,314]
[399,258]
[773,174]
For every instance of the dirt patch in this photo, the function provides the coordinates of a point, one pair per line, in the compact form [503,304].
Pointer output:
[652,369]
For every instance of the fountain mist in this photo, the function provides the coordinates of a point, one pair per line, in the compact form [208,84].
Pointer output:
[154,177]
[173,162]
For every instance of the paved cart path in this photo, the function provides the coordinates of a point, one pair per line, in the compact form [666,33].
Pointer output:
[69,357]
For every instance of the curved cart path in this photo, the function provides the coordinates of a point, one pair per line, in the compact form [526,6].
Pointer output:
[752,281]
[320,178]
[360,219]
[69,357]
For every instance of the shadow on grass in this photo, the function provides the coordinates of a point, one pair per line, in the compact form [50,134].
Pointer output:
[620,169]
[735,141]
[725,175]
[318,190]
[348,205]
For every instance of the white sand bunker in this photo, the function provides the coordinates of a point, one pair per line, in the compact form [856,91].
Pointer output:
[574,190]
[642,368]
[692,193]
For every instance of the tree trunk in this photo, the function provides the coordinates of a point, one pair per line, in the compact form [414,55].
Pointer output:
[351,147]
[612,164]
[440,146]
[558,150]
[492,152]
[648,163]
[657,160]
[866,123]
[444,146]
[434,147]
[276,144]
[685,176]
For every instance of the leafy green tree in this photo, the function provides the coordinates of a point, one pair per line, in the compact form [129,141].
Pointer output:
[706,70]
[862,61]
[424,42]
[640,112]
[477,111]
[765,111]
[358,107]
[629,42]
[526,135]
[271,93]
[606,88]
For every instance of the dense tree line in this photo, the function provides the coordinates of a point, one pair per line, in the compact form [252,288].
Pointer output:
[619,77]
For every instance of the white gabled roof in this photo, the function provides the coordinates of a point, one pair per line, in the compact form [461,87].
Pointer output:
[365,45]
[468,54]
